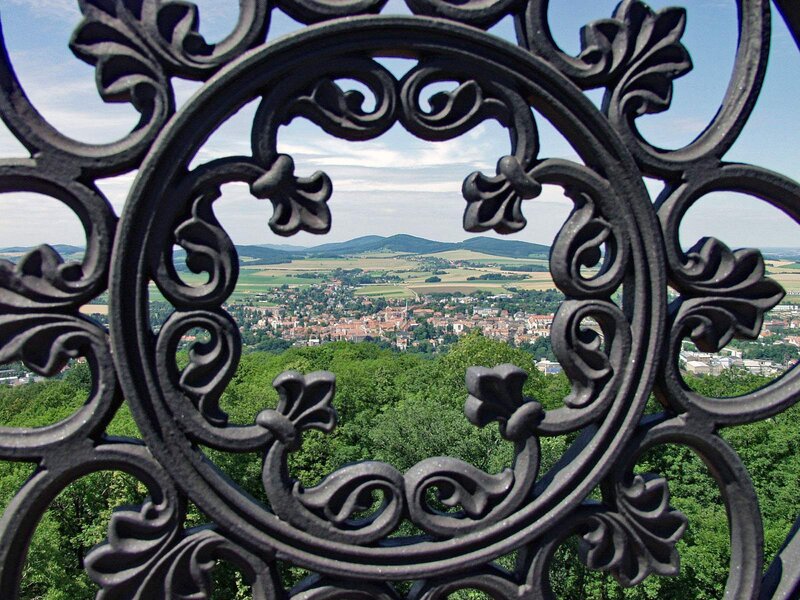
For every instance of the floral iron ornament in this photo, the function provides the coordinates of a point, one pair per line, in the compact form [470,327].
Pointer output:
[466,518]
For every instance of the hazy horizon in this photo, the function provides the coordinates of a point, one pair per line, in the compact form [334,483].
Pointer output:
[324,242]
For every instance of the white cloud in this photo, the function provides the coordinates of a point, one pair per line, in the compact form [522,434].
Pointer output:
[376,185]
[409,153]
[50,8]
[30,219]
[66,96]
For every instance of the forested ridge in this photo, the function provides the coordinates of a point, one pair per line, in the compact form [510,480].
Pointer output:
[402,408]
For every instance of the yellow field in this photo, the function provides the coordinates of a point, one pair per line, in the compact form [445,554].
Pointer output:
[385,291]
[542,284]
[440,288]
[480,256]
[94,309]
[375,263]
[459,255]
[261,278]
[790,281]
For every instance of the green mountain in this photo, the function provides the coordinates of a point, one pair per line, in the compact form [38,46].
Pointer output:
[269,254]
[367,243]
[411,244]
[262,255]
[509,248]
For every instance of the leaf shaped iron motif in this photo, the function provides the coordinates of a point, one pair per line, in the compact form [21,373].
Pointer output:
[321,100]
[45,342]
[637,535]
[328,509]
[164,33]
[300,203]
[483,498]
[111,38]
[496,202]
[42,279]
[40,275]
[451,112]
[179,26]
[147,555]
[724,294]
[343,113]
[496,395]
[305,403]
[44,263]
[137,540]
[351,490]
[211,365]
[636,54]
[492,202]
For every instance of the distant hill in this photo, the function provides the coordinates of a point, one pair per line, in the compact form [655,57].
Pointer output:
[367,243]
[410,244]
[269,254]
[510,248]
[781,253]
[284,247]
[263,255]
[414,245]
[375,243]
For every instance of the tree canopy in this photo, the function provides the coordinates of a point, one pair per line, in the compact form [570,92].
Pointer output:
[403,408]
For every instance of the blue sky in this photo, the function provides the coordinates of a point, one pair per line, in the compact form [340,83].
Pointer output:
[398,184]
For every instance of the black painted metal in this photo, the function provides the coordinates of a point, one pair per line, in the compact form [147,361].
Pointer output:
[138,47]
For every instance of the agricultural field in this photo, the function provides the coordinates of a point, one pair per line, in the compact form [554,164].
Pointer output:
[786,273]
[465,289]
[385,291]
[400,275]
[478,257]
[380,262]
[466,255]
[789,281]
[94,309]
[412,271]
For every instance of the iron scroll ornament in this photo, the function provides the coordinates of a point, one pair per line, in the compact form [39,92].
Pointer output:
[137,47]
[310,539]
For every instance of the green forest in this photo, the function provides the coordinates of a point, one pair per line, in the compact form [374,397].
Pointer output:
[402,408]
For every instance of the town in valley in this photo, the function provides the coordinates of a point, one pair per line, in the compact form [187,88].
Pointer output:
[417,295]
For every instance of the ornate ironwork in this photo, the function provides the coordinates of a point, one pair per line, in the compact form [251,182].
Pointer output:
[138,47]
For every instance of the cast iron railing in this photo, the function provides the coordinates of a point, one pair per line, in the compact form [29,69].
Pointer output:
[138,46]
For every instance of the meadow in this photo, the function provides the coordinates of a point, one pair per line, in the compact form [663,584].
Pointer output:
[453,268]
[458,271]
